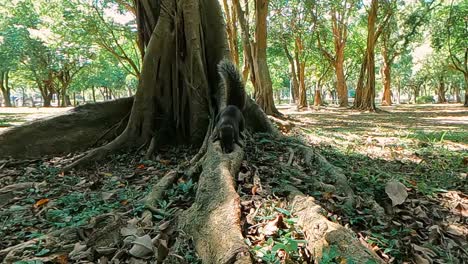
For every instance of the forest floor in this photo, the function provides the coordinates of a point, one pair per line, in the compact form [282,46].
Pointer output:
[424,147]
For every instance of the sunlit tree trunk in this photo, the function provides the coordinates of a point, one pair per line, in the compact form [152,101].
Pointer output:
[386,78]
[257,57]
[300,67]
[231,29]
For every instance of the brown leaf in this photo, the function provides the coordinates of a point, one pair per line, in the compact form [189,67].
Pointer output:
[254,190]
[41,202]
[141,166]
[165,162]
[396,191]
[273,226]
[462,209]
[420,259]
[62,259]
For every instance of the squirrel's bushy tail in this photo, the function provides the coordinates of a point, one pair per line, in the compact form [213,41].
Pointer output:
[232,90]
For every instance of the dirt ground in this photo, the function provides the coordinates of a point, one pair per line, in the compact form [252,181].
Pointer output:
[424,147]
[13,116]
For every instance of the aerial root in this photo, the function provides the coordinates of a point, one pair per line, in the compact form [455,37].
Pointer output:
[322,234]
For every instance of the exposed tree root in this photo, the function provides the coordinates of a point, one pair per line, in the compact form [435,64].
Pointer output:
[321,234]
[256,120]
[98,154]
[334,175]
[202,150]
[52,240]
[158,191]
[213,220]
[74,131]
[284,125]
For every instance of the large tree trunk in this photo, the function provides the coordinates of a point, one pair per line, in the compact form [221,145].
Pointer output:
[5,88]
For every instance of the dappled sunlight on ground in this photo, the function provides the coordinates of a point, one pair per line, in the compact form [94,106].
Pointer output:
[386,134]
[13,116]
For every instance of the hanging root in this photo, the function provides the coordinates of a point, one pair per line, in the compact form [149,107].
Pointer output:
[322,234]
[213,220]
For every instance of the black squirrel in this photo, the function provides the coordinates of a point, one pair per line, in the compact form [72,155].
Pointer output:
[232,98]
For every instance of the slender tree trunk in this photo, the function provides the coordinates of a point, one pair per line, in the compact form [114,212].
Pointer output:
[466,89]
[386,75]
[360,83]
[294,81]
[74,99]
[300,66]
[399,92]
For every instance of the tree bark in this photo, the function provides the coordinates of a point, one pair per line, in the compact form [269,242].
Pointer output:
[365,96]
[300,66]
[386,78]
[256,55]
[341,87]
[465,74]
[231,29]
[294,81]
[76,130]
[441,99]
[5,88]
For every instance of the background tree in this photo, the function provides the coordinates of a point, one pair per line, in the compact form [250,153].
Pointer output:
[450,29]
[403,27]
[338,14]
[365,95]
[255,51]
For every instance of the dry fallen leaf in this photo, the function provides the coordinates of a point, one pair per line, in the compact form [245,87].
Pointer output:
[165,162]
[396,191]
[254,190]
[141,166]
[142,247]
[41,202]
